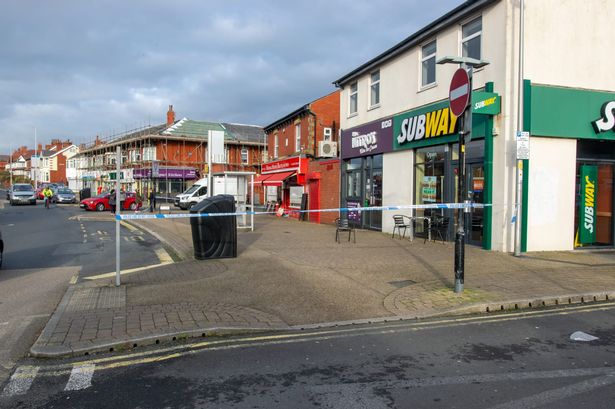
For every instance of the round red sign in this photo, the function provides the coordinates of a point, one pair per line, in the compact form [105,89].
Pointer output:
[459,93]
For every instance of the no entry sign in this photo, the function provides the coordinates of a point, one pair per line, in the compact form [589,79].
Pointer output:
[459,93]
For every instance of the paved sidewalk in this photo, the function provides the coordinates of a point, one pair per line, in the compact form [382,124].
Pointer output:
[290,275]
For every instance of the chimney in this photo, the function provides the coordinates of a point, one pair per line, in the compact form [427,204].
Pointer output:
[40,147]
[170,116]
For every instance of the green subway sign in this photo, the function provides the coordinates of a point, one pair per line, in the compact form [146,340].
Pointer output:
[587,204]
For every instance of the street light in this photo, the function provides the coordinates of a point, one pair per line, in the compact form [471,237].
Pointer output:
[465,135]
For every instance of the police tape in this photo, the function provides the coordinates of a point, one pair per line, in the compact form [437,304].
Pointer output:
[135,216]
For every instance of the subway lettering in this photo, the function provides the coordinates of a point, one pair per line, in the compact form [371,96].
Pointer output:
[429,125]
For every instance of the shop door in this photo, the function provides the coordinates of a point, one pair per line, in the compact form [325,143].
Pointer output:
[314,200]
[474,220]
[373,197]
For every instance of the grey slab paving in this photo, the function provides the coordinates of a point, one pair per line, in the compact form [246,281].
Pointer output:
[291,274]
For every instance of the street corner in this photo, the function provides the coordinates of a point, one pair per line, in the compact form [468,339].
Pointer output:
[432,298]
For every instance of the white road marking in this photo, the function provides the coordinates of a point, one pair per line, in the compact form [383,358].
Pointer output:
[80,377]
[127,271]
[21,381]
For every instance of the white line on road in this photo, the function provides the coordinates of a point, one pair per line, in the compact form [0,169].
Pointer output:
[21,381]
[80,377]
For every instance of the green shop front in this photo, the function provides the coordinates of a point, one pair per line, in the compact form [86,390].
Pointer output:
[430,135]
[585,120]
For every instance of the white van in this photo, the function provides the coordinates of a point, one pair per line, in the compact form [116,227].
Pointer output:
[193,195]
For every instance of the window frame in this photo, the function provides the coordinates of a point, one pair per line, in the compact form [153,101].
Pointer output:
[374,85]
[472,36]
[276,145]
[298,137]
[353,96]
[245,157]
[425,59]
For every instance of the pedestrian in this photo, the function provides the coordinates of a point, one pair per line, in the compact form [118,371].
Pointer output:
[112,201]
[152,201]
[138,199]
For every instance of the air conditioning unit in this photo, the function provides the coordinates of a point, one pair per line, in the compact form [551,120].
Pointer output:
[327,149]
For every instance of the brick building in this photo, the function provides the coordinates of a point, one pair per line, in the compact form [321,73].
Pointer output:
[302,170]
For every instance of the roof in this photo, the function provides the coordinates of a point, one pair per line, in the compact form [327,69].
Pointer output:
[232,132]
[295,113]
[462,11]
[4,158]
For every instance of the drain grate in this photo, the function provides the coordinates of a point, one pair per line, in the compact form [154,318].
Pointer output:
[402,283]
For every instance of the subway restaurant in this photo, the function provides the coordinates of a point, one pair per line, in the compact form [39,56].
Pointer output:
[569,179]
[412,158]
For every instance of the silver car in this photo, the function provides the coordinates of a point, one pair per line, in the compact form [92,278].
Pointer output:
[64,195]
[22,193]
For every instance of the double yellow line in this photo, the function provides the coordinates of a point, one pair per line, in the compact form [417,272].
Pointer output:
[178,351]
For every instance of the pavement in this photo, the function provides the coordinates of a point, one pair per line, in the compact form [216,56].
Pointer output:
[291,275]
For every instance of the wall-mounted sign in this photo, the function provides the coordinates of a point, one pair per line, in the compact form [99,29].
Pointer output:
[284,164]
[587,204]
[486,103]
[607,119]
[433,121]
[523,145]
[369,139]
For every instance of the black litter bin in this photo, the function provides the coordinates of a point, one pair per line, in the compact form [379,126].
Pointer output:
[214,236]
[85,193]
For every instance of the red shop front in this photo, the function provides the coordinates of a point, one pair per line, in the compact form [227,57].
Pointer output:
[284,181]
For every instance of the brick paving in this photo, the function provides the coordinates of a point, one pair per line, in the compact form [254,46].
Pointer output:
[291,274]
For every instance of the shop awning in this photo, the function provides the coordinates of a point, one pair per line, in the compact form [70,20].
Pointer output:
[260,179]
[276,179]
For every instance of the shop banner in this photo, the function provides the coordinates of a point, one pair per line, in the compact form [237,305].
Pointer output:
[486,103]
[587,204]
[163,173]
[369,139]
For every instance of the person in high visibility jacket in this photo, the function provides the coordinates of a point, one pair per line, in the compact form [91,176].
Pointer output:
[47,194]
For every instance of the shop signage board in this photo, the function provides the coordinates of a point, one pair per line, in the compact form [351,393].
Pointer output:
[459,92]
[523,145]
[354,215]
[423,125]
[165,173]
[587,204]
[606,122]
[486,103]
[571,113]
[281,165]
[369,139]
[429,189]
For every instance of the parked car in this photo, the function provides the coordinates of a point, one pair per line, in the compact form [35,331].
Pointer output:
[64,195]
[22,193]
[100,203]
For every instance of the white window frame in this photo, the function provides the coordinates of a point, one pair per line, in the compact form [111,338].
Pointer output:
[353,96]
[425,60]
[298,137]
[245,158]
[149,153]
[374,89]
[327,134]
[472,36]
[276,146]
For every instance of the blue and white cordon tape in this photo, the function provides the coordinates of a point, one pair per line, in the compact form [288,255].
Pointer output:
[138,216]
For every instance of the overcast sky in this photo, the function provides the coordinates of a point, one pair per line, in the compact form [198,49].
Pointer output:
[76,69]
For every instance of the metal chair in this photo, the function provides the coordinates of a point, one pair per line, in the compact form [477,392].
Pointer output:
[439,226]
[341,226]
[401,222]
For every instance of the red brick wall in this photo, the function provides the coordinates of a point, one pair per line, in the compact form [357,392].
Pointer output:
[329,170]
[327,110]
[59,176]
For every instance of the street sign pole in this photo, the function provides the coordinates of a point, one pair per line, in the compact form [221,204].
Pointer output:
[459,96]
[118,206]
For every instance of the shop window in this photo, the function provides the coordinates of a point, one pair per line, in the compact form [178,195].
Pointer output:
[296,192]
[471,38]
[353,100]
[374,87]
[428,64]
